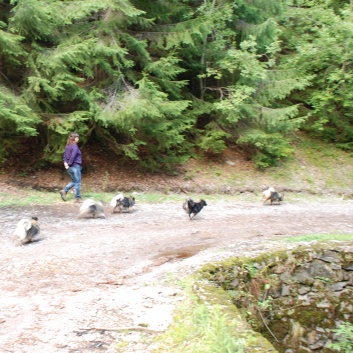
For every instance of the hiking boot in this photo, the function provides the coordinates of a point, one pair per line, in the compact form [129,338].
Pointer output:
[63,195]
[79,200]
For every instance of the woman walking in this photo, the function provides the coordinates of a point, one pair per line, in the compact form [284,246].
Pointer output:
[73,164]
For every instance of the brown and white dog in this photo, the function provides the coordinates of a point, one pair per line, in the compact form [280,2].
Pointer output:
[272,195]
[266,195]
[121,202]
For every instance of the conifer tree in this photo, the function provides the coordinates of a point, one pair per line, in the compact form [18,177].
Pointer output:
[155,81]
[85,61]
[243,78]
[16,117]
[318,36]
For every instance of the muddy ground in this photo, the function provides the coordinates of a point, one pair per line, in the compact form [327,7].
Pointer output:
[84,281]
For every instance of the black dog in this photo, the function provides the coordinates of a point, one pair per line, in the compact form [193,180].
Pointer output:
[120,202]
[193,208]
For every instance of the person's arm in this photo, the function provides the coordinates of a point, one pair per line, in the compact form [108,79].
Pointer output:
[70,155]
[66,165]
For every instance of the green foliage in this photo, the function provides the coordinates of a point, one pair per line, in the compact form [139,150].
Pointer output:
[212,139]
[251,269]
[150,124]
[15,115]
[16,119]
[59,127]
[213,142]
[319,35]
[156,81]
[344,338]
[270,147]
[10,46]
[34,20]
[253,108]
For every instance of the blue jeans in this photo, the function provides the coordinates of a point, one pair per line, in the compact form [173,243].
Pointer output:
[75,175]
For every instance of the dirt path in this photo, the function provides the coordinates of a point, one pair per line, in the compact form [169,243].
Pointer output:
[85,278]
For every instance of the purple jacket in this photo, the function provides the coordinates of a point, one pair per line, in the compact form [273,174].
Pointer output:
[72,155]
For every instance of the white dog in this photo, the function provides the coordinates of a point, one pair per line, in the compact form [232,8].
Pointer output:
[93,208]
[26,230]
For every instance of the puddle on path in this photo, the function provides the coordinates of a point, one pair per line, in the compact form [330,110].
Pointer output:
[178,254]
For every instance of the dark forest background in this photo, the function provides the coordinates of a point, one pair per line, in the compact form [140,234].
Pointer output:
[158,82]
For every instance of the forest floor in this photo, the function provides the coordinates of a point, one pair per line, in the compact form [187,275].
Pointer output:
[111,285]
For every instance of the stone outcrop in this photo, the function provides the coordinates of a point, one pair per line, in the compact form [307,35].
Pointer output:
[293,298]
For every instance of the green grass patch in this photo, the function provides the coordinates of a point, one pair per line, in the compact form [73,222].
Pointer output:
[27,198]
[316,237]
[198,328]
[33,197]
[30,197]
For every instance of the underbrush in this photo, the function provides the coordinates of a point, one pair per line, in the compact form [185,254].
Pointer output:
[314,168]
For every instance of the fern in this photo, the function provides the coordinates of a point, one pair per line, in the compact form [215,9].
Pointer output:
[344,338]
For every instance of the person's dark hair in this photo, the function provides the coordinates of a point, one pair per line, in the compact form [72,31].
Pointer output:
[71,138]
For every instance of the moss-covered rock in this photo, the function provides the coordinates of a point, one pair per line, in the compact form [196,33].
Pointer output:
[293,298]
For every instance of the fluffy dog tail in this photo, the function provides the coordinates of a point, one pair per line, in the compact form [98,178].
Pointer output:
[26,229]
[186,204]
[22,228]
[92,207]
[267,193]
[191,203]
[116,198]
